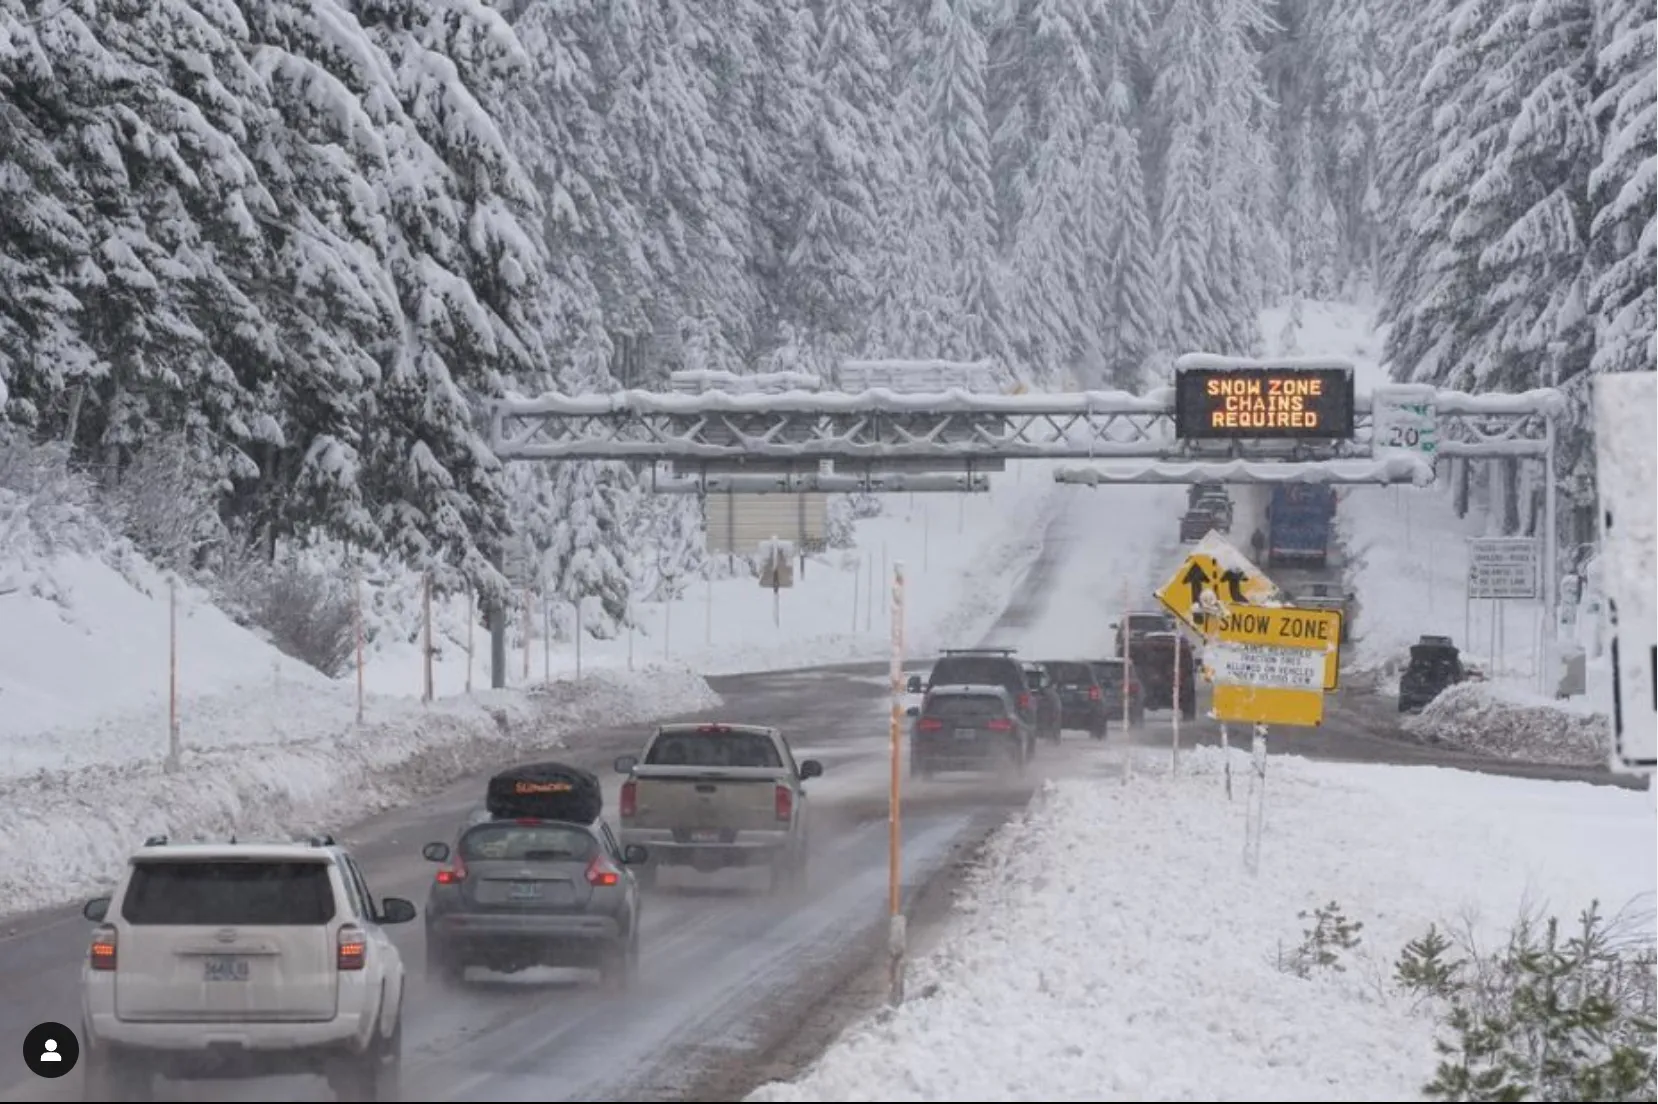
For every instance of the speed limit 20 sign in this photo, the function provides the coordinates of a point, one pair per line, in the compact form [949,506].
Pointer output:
[1403,419]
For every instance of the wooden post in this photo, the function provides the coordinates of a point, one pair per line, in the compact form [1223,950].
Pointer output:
[172,676]
[357,628]
[896,934]
[426,648]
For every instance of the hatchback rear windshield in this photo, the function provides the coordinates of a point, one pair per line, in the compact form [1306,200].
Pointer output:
[511,842]
[713,749]
[976,671]
[229,894]
[962,707]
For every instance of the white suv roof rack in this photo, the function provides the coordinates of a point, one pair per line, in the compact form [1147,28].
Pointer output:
[321,840]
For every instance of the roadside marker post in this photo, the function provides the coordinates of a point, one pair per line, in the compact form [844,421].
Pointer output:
[896,932]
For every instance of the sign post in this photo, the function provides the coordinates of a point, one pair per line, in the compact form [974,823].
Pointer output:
[1625,427]
[776,573]
[1270,663]
[1503,569]
[896,935]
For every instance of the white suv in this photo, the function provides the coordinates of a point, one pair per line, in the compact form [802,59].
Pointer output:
[242,960]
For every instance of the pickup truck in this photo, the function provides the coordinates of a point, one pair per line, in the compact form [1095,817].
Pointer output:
[716,796]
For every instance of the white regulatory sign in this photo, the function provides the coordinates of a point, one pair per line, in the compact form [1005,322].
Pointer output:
[1263,666]
[1503,568]
[1403,419]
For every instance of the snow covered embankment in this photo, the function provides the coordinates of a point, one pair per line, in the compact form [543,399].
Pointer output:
[64,833]
[1476,717]
[1113,946]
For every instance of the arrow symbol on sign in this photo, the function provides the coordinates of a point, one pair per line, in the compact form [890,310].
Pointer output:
[1198,580]
[1234,579]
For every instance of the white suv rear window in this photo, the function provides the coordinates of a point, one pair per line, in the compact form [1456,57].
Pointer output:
[229,893]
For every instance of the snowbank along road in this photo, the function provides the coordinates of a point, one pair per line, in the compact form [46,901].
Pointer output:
[723,965]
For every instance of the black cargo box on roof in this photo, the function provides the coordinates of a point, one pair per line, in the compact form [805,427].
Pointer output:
[546,791]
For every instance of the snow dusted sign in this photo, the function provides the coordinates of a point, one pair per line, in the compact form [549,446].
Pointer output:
[1504,568]
[1403,419]
[1267,667]
[1626,427]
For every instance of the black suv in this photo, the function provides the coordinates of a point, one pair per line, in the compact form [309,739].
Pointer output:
[982,667]
[1082,706]
[1435,666]
[968,728]
[1156,657]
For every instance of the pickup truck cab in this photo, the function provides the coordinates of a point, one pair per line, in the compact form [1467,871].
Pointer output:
[716,796]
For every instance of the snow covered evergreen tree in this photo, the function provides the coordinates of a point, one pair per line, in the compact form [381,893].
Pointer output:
[849,159]
[958,170]
[1623,189]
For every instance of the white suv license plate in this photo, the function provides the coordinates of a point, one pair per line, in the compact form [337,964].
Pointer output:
[225,968]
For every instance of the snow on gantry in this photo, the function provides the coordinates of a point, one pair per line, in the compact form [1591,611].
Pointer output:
[1395,468]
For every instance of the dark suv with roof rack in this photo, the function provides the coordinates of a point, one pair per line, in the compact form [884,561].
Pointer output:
[983,667]
[968,728]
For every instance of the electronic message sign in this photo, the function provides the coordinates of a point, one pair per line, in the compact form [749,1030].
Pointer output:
[1257,402]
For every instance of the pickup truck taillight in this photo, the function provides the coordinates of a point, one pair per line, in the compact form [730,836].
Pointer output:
[103,948]
[783,799]
[630,798]
[930,724]
[1000,725]
[1094,693]
[353,948]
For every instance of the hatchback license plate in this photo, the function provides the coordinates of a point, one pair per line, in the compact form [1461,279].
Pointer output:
[225,968]
[706,835]
[525,891]
[967,734]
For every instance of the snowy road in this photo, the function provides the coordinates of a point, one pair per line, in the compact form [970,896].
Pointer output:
[718,954]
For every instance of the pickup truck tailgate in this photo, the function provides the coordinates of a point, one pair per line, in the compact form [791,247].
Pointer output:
[697,804]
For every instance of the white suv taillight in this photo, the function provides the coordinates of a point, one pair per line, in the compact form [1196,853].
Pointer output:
[353,948]
[103,948]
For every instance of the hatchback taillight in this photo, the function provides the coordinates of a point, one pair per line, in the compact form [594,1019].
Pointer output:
[783,801]
[930,724]
[353,948]
[630,798]
[1094,693]
[602,872]
[453,875]
[103,948]
[1000,725]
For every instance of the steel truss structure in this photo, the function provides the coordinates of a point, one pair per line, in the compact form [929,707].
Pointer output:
[865,435]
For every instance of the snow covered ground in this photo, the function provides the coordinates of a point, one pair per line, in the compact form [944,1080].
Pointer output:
[1115,947]
[962,555]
